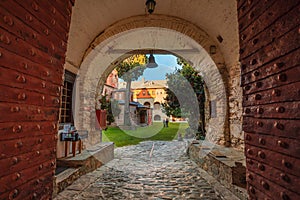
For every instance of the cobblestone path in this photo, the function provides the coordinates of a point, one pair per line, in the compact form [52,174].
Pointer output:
[136,173]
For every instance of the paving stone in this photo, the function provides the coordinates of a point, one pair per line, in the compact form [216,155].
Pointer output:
[168,174]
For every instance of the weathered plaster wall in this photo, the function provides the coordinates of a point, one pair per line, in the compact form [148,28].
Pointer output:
[90,18]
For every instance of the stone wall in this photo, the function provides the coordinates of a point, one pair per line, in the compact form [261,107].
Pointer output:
[235,108]
[224,164]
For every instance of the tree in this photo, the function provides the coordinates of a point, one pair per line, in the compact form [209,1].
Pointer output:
[190,91]
[130,70]
[112,107]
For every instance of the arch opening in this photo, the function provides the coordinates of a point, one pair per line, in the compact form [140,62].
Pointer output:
[147,104]
[157,118]
[103,58]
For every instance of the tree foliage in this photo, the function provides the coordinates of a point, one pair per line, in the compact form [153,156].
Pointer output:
[189,88]
[112,107]
[130,70]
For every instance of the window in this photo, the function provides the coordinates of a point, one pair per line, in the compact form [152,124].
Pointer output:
[156,106]
[147,104]
[66,98]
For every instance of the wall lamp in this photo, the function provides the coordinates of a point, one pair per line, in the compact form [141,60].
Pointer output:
[150,4]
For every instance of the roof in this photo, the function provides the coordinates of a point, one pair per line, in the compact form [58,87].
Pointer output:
[139,105]
[134,103]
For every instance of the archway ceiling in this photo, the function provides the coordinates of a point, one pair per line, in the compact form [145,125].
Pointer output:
[91,17]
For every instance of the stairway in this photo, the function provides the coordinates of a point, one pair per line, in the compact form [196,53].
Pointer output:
[70,169]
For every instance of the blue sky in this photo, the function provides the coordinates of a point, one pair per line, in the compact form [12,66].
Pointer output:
[166,64]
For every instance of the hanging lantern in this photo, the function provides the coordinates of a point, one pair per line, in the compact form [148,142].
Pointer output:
[150,4]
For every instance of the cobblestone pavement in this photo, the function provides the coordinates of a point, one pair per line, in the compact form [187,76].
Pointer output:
[139,173]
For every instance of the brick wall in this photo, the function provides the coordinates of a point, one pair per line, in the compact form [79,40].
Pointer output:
[269,54]
[33,39]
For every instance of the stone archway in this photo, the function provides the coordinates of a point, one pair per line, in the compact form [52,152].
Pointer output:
[160,33]
[270,61]
[157,118]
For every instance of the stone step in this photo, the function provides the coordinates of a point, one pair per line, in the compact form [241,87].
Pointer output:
[65,178]
[226,165]
[71,168]
[93,157]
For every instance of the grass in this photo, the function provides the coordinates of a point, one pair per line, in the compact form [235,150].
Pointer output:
[152,132]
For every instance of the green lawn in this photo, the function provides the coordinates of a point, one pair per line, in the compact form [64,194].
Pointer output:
[153,132]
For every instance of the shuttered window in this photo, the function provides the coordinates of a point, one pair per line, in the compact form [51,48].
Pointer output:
[66,115]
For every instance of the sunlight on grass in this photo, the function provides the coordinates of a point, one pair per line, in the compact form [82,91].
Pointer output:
[153,132]
[145,132]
